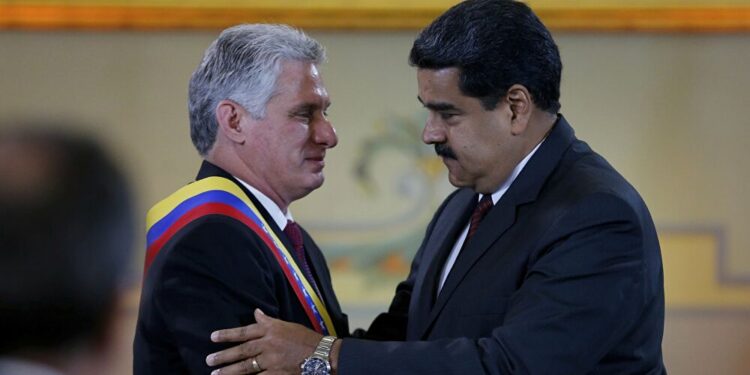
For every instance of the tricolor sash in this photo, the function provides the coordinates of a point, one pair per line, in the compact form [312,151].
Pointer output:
[221,196]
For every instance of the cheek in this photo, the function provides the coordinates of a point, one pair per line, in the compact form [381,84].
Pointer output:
[295,138]
[286,147]
[467,148]
[476,157]
[264,140]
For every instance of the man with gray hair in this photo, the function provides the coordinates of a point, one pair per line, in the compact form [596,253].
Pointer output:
[227,244]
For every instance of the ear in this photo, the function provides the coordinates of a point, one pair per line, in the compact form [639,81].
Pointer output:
[228,115]
[520,104]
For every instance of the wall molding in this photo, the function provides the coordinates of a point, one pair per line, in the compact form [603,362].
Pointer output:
[705,19]
[721,253]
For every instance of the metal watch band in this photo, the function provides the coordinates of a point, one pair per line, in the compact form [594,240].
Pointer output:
[324,346]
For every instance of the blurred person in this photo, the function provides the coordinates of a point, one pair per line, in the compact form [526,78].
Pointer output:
[65,243]
[544,261]
[227,243]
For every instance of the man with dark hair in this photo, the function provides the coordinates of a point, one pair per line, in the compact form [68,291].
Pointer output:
[65,242]
[226,244]
[544,261]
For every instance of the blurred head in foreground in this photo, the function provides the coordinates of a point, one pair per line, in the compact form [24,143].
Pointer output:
[65,242]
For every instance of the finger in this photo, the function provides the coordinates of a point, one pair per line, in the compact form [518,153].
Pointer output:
[246,350]
[249,332]
[239,368]
[261,317]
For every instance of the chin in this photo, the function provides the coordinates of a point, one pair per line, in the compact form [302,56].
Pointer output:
[312,183]
[455,181]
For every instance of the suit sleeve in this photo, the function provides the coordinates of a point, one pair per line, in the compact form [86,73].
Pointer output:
[583,291]
[213,278]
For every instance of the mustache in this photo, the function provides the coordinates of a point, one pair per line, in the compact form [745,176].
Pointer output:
[445,151]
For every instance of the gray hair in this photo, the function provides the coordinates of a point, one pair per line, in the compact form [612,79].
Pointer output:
[243,65]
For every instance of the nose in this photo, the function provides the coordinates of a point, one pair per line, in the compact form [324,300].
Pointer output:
[325,134]
[432,132]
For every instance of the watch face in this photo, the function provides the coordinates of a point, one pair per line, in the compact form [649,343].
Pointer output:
[315,366]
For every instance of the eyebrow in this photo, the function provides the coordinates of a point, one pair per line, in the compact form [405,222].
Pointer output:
[439,106]
[309,107]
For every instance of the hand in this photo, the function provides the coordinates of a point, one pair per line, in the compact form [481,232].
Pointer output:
[278,347]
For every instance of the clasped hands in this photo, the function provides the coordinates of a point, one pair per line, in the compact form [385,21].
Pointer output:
[269,347]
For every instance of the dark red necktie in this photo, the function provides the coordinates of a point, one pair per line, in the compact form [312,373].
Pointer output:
[480,211]
[294,234]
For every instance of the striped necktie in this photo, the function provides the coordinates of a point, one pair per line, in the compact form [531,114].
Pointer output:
[479,213]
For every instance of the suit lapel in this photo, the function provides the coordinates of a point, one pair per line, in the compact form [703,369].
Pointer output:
[492,227]
[501,217]
[318,267]
[317,264]
[437,247]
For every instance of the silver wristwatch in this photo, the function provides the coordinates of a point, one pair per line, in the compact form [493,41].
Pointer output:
[318,363]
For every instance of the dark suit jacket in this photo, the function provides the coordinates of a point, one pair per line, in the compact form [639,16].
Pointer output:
[212,275]
[563,276]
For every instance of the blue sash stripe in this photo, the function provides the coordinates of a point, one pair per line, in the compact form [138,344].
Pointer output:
[212,196]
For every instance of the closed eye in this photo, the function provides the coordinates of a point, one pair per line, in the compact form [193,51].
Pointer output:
[447,115]
[306,116]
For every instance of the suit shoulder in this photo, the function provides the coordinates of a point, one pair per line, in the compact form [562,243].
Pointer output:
[214,232]
[584,175]
[585,189]
[211,244]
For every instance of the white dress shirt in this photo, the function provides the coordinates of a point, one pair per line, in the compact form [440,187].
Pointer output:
[278,216]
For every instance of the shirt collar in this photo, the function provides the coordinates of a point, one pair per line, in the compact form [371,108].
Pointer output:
[278,216]
[516,171]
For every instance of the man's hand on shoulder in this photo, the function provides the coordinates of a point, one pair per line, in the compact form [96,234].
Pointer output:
[270,346]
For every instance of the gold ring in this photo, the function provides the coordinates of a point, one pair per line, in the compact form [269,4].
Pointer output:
[256,366]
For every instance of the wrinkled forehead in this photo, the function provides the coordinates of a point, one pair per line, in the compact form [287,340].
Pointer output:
[300,81]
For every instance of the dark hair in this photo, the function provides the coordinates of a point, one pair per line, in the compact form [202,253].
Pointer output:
[495,44]
[65,239]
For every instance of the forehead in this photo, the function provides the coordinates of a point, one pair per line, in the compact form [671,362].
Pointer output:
[438,83]
[439,88]
[300,81]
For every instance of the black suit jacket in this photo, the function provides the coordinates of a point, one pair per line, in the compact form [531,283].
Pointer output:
[211,275]
[563,276]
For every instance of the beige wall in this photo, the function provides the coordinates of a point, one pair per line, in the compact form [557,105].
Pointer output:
[669,111]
